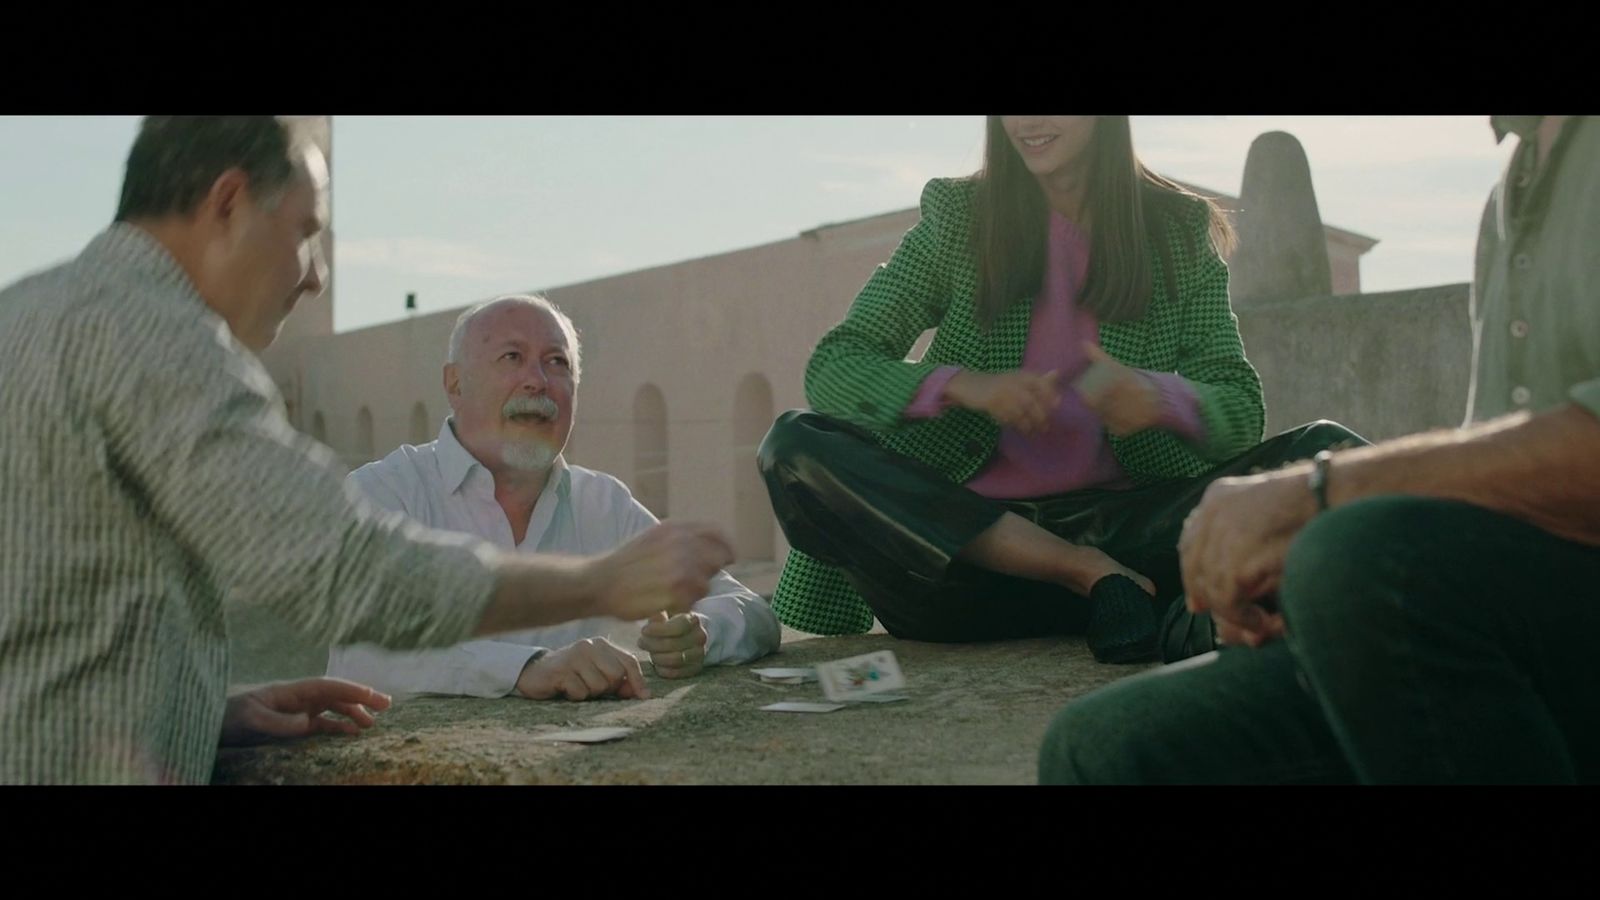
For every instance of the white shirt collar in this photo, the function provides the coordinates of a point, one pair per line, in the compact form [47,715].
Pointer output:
[457,462]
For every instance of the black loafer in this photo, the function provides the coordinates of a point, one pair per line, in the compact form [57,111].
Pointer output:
[1185,634]
[1122,622]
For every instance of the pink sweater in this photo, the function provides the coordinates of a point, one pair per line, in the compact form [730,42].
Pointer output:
[1073,452]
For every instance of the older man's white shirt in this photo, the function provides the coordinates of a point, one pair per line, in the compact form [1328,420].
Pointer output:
[581,512]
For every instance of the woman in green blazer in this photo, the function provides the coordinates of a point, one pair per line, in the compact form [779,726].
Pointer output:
[1029,475]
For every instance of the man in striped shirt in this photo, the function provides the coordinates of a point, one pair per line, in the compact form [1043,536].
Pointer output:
[148,476]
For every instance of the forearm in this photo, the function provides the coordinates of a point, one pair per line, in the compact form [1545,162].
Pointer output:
[1232,415]
[1177,406]
[1542,469]
[861,385]
[534,591]
[1212,360]
[932,397]
[858,371]
[474,669]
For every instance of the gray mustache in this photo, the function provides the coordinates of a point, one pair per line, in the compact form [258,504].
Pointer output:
[524,405]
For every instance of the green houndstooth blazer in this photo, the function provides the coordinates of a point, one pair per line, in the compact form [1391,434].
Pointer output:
[858,371]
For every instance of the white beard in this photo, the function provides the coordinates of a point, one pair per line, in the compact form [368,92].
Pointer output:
[529,456]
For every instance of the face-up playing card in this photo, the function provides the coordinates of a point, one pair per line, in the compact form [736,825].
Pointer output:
[586,736]
[858,676]
[786,676]
[797,707]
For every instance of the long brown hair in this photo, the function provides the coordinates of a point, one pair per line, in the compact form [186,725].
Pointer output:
[1125,202]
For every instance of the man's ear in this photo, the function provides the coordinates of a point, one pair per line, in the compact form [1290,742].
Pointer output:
[223,201]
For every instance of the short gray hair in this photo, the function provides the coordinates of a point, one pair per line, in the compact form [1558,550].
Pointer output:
[176,159]
[458,334]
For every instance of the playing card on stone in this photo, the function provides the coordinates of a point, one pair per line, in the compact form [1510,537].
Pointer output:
[786,676]
[585,736]
[858,676]
[798,707]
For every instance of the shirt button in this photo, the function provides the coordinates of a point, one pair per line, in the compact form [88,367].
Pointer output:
[867,407]
[972,448]
[1519,329]
[1522,260]
[1520,395]
[1523,179]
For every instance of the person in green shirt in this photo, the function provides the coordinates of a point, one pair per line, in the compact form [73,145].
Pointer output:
[1028,474]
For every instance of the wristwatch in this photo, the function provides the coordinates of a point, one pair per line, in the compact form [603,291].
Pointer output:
[1318,480]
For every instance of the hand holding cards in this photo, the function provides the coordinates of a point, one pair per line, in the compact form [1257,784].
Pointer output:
[1095,380]
[1025,401]
[1127,400]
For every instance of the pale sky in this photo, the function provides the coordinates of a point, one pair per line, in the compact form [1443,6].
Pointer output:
[460,208]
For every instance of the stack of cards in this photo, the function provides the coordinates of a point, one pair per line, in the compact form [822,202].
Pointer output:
[859,679]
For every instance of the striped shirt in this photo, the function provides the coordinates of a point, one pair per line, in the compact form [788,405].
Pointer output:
[148,478]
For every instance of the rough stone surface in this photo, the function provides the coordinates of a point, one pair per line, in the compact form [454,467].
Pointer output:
[977,714]
[1283,250]
[1384,365]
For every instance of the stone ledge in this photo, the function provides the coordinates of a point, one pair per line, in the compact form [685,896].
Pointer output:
[976,716]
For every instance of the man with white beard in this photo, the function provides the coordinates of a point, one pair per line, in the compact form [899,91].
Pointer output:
[496,472]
